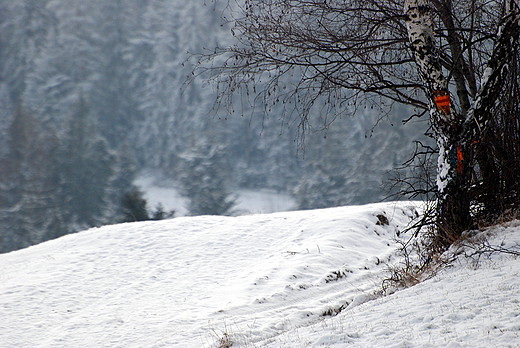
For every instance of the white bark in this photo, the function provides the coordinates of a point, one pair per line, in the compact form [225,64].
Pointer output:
[420,34]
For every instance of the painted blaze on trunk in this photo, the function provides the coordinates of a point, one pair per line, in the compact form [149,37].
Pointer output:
[442,101]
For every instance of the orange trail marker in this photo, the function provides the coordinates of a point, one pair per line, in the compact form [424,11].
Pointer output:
[459,160]
[442,100]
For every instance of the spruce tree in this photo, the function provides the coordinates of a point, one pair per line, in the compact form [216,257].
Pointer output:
[204,177]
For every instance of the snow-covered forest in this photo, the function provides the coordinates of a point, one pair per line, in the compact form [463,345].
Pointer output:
[93,93]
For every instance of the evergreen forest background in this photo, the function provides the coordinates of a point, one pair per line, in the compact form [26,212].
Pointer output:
[93,93]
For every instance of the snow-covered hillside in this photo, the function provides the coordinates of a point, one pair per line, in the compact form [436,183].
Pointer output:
[255,281]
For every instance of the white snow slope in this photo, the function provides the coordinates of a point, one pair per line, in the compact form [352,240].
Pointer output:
[255,281]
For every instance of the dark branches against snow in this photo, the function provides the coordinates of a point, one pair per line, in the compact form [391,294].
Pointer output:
[331,56]
[454,60]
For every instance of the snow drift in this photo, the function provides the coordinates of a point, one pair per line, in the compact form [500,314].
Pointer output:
[260,280]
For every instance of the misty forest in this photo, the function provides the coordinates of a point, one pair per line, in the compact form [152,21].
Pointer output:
[95,93]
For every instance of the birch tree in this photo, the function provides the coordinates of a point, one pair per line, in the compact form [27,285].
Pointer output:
[454,62]
[455,132]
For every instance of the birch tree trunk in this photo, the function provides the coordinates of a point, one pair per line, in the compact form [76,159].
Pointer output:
[454,132]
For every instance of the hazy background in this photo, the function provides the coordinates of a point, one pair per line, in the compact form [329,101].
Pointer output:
[91,100]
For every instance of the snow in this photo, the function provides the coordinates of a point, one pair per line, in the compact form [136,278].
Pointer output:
[487,74]
[263,202]
[156,192]
[260,280]
[466,305]
[443,166]
[165,192]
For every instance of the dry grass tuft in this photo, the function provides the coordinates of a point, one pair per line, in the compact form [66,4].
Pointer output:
[224,341]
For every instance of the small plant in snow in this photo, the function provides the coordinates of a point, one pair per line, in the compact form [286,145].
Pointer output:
[225,341]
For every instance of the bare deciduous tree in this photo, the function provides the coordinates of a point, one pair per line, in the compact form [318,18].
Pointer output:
[454,60]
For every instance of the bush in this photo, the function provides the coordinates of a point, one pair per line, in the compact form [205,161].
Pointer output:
[133,206]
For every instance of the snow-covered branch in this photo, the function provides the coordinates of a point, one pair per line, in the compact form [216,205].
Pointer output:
[495,72]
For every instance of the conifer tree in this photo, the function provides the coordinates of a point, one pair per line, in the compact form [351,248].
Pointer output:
[27,184]
[204,178]
[86,170]
[133,206]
